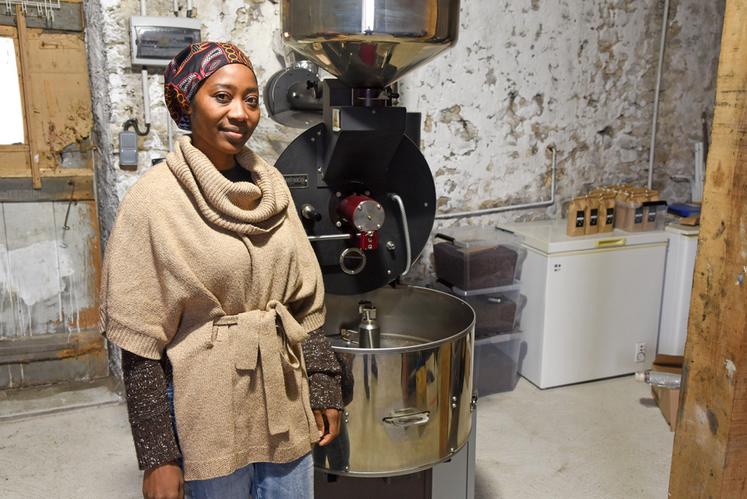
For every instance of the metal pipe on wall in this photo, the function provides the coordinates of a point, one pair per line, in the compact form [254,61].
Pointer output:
[170,132]
[513,207]
[146,97]
[169,124]
[144,74]
[662,45]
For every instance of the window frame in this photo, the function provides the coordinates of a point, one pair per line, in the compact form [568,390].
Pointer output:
[55,87]
[15,157]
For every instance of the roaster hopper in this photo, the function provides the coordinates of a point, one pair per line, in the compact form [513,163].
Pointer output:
[366,196]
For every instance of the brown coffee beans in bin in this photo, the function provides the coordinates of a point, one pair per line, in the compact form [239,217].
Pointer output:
[476,267]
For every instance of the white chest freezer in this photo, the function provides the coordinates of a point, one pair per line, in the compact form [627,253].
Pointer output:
[593,302]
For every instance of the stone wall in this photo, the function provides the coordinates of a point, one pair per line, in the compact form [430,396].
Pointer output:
[524,75]
[577,76]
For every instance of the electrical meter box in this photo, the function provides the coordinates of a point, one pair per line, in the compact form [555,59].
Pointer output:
[156,40]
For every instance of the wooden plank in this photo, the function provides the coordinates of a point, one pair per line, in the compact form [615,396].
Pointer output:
[56,188]
[710,450]
[60,94]
[4,148]
[69,17]
[15,163]
[33,270]
[67,172]
[23,50]
[57,53]
[76,227]
[50,347]
[8,31]
[46,172]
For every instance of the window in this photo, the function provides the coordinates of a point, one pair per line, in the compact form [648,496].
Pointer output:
[11,126]
[45,101]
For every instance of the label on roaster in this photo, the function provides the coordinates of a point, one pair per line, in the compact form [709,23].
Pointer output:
[297,180]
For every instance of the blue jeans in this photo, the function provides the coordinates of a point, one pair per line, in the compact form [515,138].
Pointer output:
[294,480]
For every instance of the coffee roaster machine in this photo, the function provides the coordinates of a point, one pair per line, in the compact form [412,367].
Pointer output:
[366,196]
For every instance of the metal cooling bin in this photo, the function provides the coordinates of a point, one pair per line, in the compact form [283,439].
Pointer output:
[412,399]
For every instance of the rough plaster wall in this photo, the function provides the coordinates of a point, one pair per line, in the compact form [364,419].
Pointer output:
[580,76]
[524,75]
[688,90]
[118,86]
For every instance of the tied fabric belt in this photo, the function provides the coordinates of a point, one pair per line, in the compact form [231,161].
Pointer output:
[258,338]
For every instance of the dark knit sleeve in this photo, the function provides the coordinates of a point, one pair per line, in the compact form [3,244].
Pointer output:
[149,411]
[325,373]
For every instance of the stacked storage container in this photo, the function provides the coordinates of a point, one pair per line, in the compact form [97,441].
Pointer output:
[482,265]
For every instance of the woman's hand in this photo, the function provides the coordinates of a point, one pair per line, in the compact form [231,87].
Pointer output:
[163,482]
[328,422]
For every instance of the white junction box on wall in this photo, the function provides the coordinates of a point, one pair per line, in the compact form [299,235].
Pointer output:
[593,302]
[156,40]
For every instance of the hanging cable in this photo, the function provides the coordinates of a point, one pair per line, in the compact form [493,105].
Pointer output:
[132,123]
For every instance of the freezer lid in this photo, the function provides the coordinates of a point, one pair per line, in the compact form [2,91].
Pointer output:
[549,236]
[684,230]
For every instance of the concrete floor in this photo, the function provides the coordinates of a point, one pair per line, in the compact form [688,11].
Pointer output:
[597,440]
[601,440]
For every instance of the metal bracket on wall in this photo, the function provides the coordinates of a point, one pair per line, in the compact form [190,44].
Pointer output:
[67,17]
[40,8]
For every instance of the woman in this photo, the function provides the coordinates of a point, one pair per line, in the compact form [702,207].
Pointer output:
[210,286]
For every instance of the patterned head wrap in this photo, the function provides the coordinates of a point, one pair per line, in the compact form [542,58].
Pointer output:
[189,69]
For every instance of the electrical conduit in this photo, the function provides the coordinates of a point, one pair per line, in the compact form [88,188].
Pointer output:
[513,207]
[662,44]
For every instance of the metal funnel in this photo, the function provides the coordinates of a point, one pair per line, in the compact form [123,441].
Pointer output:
[370,43]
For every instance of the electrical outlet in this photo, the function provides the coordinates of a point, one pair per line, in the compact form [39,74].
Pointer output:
[640,352]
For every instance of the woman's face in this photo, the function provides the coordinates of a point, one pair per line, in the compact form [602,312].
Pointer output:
[225,112]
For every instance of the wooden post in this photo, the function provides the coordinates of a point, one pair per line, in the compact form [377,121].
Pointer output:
[28,109]
[710,447]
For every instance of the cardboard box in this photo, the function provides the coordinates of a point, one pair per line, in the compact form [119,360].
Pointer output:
[668,400]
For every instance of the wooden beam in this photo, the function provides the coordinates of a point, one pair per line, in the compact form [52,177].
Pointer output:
[710,448]
[50,347]
[23,50]
[62,188]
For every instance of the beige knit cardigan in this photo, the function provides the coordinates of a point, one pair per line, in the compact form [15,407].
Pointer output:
[220,276]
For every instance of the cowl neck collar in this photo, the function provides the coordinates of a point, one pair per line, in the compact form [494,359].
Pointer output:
[243,207]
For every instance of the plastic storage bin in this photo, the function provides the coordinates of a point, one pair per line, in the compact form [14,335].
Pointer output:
[496,313]
[497,310]
[470,258]
[497,361]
